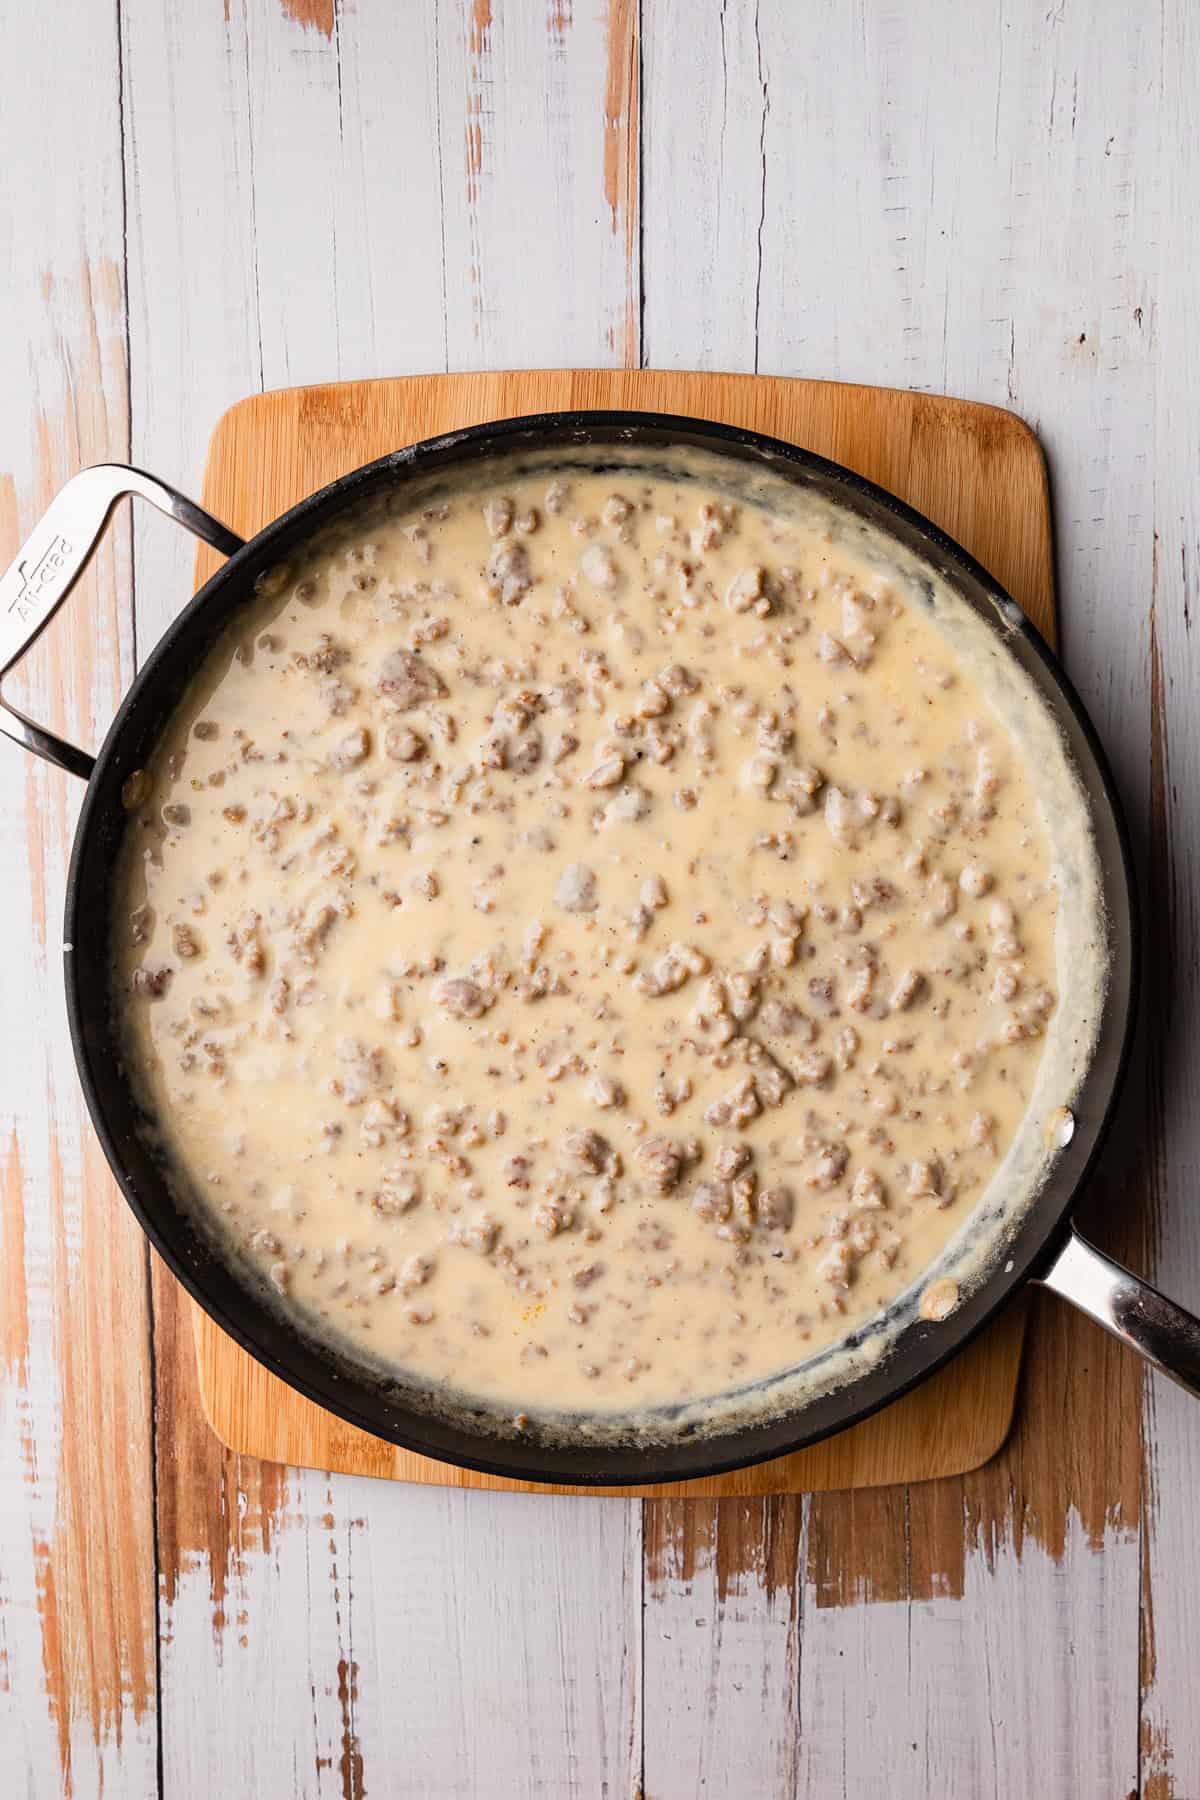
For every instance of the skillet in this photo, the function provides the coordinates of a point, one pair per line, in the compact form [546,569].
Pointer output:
[1043,1247]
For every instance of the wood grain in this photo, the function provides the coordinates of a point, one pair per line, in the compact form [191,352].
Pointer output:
[987,221]
[975,470]
[734,1639]
[78,1700]
[298,211]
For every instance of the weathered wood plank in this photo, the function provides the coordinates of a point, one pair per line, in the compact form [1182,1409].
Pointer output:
[537,127]
[1171,1621]
[518,1644]
[703,188]
[722,1646]
[321,153]
[77,1652]
[979,222]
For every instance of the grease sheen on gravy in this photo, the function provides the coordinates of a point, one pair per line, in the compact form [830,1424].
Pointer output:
[593,942]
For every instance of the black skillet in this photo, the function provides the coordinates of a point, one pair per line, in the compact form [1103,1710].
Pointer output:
[1044,1247]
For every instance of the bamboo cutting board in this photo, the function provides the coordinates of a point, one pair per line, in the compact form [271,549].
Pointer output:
[975,470]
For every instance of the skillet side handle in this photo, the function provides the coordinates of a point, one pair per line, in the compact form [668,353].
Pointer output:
[50,563]
[1167,1335]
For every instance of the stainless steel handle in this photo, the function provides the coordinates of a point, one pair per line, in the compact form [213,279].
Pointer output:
[1167,1335]
[50,563]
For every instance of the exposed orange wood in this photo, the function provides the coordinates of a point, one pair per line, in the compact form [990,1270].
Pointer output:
[314,15]
[622,100]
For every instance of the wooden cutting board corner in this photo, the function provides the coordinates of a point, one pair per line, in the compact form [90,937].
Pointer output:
[979,473]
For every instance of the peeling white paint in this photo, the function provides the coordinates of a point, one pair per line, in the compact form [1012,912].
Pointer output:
[1018,1686]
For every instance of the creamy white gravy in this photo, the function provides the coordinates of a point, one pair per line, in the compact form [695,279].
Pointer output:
[594,943]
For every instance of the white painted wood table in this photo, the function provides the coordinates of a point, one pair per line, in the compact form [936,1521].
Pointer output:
[198,200]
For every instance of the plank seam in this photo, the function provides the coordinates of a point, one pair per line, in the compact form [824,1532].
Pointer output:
[441,170]
[124,128]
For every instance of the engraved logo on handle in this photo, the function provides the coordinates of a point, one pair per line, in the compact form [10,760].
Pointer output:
[37,581]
